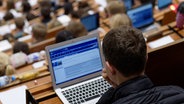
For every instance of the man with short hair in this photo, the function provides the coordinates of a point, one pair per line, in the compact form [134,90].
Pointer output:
[125,53]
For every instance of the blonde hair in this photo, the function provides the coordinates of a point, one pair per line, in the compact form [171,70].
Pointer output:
[120,19]
[39,32]
[5,67]
[77,29]
[115,7]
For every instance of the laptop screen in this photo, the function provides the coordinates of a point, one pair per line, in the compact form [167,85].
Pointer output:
[75,60]
[164,3]
[141,16]
[91,22]
[128,4]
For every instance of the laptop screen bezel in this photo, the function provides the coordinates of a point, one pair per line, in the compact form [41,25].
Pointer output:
[163,6]
[139,8]
[78,80]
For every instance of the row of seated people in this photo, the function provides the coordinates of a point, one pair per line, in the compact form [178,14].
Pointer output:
[70,36]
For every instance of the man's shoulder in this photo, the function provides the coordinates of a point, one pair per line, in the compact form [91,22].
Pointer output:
[155,95]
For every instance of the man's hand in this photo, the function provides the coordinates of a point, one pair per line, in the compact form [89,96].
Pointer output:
[105,76]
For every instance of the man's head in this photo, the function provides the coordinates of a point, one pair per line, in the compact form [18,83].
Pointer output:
[39,32]
[124,49]
[115,7]
[19,22]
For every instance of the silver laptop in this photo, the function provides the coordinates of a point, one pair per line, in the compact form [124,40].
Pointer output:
[76,67]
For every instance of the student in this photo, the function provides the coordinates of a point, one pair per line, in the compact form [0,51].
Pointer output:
[120,19]
[125,53]
[180,16]
[26,9]
[45,13]
[8,16]
[74,15]
[39,31]
[63,36]
[21,47]
[5,67]
[19,31]
[77,28]
[115,7]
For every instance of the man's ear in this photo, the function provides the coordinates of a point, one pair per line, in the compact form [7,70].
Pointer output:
[110,67]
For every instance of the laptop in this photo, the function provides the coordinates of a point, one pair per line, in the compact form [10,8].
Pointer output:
[76,67]
[163,3]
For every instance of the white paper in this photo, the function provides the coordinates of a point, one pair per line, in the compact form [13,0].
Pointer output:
[160,42]
[4,29]
[24,38]
[38,64]
[103,3]
[5,45]
[33,2]
[64,19]
[14,96]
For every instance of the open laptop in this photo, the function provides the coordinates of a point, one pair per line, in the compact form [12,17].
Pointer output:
[163,3]
[76,67]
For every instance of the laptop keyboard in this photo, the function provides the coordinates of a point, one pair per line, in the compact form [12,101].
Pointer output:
[86,92]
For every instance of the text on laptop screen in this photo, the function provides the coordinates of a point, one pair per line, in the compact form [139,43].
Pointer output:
[91,22]
[128,4]
[76,60]
[163,3]
[141,16]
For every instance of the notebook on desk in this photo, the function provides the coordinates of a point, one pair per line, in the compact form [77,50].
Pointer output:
[76,67]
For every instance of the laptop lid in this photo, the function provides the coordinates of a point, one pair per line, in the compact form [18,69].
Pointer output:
[164,3]
[141,16]
[74,61]
[91,22]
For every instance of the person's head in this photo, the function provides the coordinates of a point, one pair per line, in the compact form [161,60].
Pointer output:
[120,19]
[77,29]
[63,36]
[115,7]
[1,2]
[181,8]
[68,8]
[125,53]
[5,67]
[45,12]
[9,37]
[10,4]
[26,7]
[21,47]
[19,22]
[8,16]
[75,15]
[45,3]
[39,31]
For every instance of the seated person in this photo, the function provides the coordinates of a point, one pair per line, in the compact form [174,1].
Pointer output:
[63,36]
[10,6]
[124,49]
[180,16]
[45,15]
[120,19]
[26,9]
[77,28]
[74,15]
[21,47]
[19,31]
[5,67]
[39,31]
[8,16]
[115,7]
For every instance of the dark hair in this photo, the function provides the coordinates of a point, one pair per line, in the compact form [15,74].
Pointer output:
[1,2]
[10,4]
[75,14]
[45,12]
[68,8]
[8,16]
[9,37]
[19,22]
[45,3]
[125,49]
[63,36]
[21,47]
[181,8]
[26,6]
